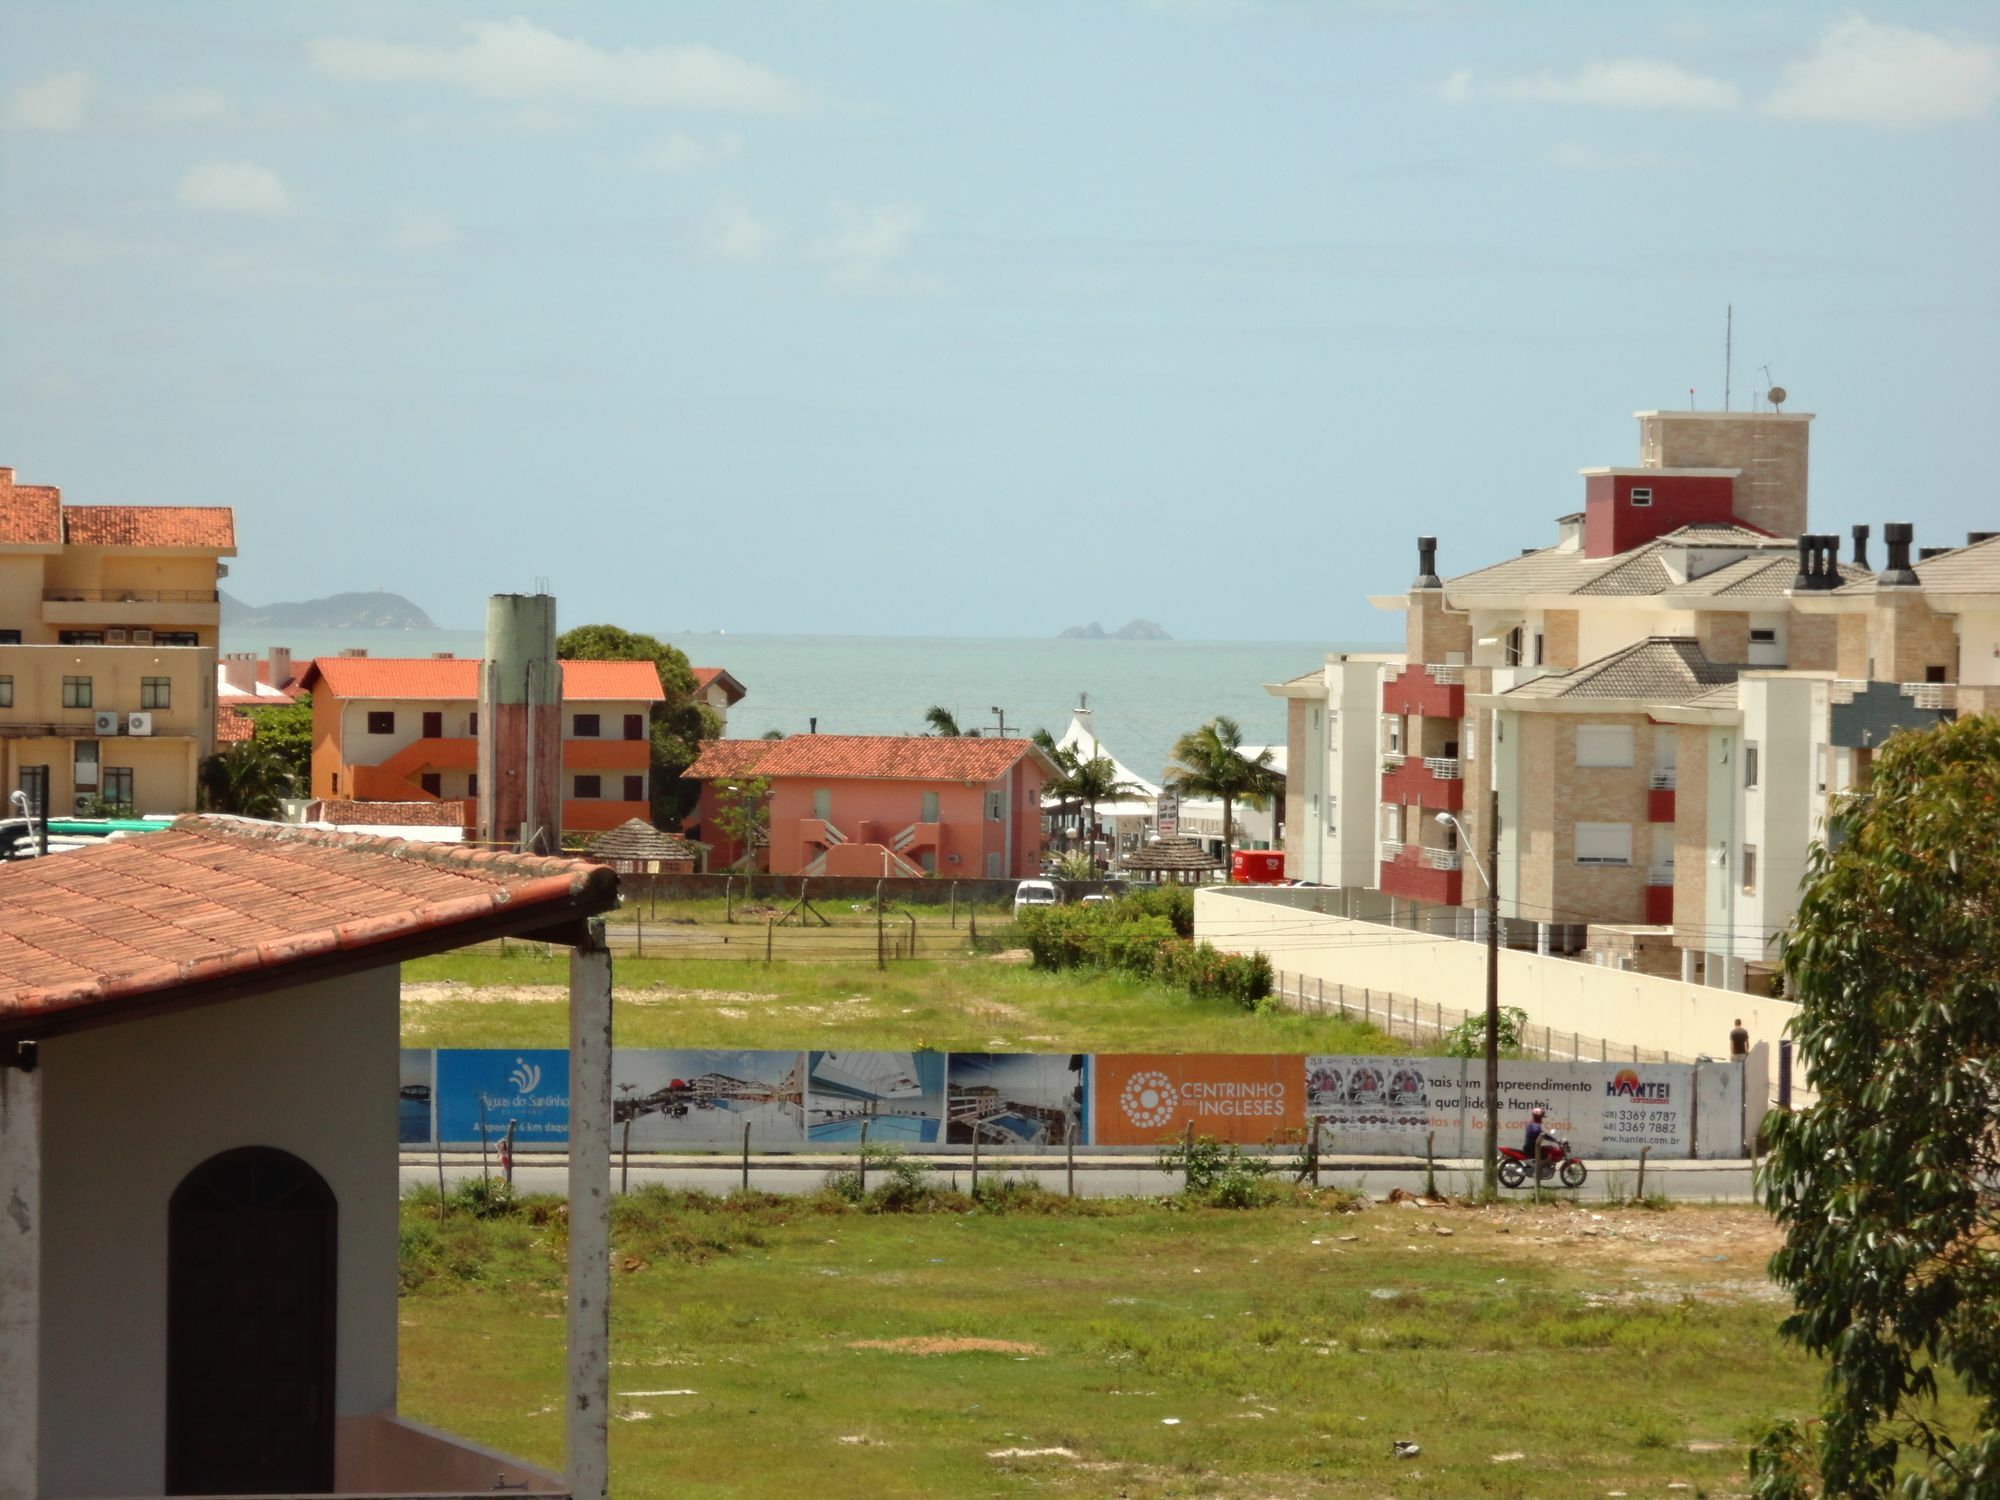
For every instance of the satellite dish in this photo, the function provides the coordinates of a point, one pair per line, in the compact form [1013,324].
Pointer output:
[1776,395]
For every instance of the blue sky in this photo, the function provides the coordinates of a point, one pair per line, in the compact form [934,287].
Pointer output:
[937,318]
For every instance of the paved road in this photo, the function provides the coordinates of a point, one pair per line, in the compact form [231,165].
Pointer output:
[1101,1177]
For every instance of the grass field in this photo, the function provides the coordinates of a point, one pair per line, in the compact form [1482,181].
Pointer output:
[1134,1349]
[958,1004]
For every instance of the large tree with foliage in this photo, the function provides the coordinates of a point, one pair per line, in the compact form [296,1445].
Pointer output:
[743,813]
[286,731]
[678,725]
[1209,762]
[251,778]
[1886,1185]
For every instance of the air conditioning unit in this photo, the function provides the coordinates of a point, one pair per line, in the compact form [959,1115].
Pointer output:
[83,804]
[106,723]
[142,637]
[139,723]
[115,635]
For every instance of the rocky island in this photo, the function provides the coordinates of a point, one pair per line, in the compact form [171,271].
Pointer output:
[1131,630]
[374,610]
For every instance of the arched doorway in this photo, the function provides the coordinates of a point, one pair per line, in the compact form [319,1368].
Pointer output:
[251,1281]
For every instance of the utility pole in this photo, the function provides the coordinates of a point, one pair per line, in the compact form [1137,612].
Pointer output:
[1001,714]
[1492,1177]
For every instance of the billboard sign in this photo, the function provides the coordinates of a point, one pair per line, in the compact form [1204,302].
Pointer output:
[529,1086]
[1143,1099]
[1167,814]
[671,1099]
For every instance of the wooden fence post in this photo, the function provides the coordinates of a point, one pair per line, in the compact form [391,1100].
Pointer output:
[746,1156]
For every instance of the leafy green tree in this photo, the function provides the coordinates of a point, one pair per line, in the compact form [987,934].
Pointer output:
[250,778]
[287,732]
[1885,1187]
[1209,762]
[743,812]
[677,726]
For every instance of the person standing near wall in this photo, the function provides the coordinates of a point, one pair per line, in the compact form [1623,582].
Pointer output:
[1739,1039]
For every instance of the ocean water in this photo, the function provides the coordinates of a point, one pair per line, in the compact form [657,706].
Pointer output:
[1142,694]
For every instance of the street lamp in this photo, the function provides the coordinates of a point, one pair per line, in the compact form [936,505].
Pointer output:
[1449,820]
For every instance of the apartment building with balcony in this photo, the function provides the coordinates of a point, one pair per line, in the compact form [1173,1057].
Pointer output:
[883,805]
[108,622]
[407,730]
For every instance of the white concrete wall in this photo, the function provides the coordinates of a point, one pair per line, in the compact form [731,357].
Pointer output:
[130,1111]
[1785,718]
[1637,1009]
[1979,646]
[1354,774]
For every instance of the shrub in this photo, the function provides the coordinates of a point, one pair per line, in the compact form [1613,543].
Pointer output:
[1133,936]
[1468,1037]
[1216,1172]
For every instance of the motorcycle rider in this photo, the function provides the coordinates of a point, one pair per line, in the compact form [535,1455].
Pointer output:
[1539,1143]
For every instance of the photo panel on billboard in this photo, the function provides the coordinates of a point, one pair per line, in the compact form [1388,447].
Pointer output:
[899,1096]
[703,1097]
[413,1098]
[1374,1103]
[479,1090]
[1019,1100]
[1145,1099]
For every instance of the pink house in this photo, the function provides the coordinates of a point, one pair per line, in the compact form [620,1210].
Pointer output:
[874,805]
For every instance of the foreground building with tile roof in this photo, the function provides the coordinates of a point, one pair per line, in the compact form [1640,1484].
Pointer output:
[198,1135]
[883,805]
[108,624]
[1663,700]
[391,729]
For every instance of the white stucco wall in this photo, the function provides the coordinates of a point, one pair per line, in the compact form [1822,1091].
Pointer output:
[129,1110]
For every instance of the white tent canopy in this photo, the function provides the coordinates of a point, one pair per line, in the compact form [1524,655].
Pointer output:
[1081,736]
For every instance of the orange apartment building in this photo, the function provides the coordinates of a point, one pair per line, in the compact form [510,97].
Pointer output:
[108,622]
[407,730]
[875,805]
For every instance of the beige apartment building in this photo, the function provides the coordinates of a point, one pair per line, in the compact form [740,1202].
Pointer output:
[108,623]
[1663,700]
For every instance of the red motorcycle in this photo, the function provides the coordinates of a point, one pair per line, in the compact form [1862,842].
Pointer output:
[1557,1162]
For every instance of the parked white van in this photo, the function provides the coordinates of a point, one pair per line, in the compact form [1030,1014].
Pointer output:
[1034,893]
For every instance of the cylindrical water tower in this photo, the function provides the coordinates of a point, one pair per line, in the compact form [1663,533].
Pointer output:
[520,726]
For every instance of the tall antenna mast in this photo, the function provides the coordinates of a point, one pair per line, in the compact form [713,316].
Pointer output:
[1728,349]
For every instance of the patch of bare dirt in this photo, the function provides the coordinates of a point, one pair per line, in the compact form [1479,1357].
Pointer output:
[432,992]
[1012,957]
[948,1346]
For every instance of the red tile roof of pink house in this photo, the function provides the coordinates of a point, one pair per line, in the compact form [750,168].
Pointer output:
[704,676]
[210,907]
[208,528]
[232,727]
[457,677]
[889,757]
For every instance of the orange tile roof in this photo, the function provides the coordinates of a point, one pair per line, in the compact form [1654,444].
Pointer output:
[386,677]
[451,814]
[232,727]
[211,907]
[886,757]
[209,527]
[703,676]
[29,512]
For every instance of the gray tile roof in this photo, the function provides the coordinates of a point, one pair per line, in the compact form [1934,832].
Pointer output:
[1641,571]
[1963,570]
[635,838]
[1659,669]
[1172,854]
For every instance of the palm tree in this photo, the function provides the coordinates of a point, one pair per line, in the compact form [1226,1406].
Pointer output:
[1209,762]
[942,721]
[250,778]
[1097,780]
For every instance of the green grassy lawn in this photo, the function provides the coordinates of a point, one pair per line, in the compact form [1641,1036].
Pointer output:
[765,1345]
[842,911]
[964,1004]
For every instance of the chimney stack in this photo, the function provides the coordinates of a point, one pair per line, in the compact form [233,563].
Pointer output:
[1861,547]
[1925,554]
[1973,538]
[812,725]
[1803,579]
[1896,572]
[520,721]
[1427,553]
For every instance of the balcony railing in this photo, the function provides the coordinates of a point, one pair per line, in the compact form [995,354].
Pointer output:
[1446,676]
[1662,781]
[129,596]
[1444,767]
[1441,859]
[1391,851]
[1935,695]
[1391,759]
[1659,875]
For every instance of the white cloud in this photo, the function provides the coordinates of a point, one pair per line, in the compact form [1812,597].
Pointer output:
[58,102]
[681,152]
[1622,83]
[1874,74]
[1577,156]
[424,231]
[518,60]
[192,107]
[869,242]
[235,187]
[731,232]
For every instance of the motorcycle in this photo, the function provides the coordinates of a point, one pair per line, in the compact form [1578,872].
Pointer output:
[1557,1162]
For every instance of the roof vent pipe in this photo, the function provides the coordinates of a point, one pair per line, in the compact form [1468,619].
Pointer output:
[1896,573]
[1427,553]
[1861,547]
[812,725]
[1803,579]
[1973,538]
[1829,561]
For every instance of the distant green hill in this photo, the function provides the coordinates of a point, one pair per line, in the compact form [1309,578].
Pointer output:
[369,611]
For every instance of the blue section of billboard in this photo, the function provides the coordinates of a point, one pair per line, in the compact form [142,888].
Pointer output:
[527,1086]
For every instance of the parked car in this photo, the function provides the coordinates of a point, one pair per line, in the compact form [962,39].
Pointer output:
[1095,898]
[1034,893]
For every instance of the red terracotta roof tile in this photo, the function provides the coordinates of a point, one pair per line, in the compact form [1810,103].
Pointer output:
[386,677]
[204,526]
[29,512]
[964,758]
[231,727]
[135,920]
[341,810]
